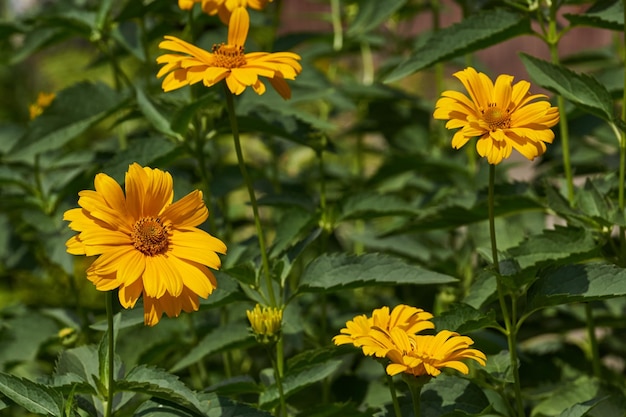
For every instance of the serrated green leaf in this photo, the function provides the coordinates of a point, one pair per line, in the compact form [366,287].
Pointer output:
[575,283]
[463,318]
[567,394]
[183,115]
[158,383]
[226,292]
[594,204]
[581,409]
[475,32]
[245,273]
[222,338]
[581,89]
[560,243]
[36,398]
[603,14]
[369,205]
[499,367]
[154,116]
[342,271]
[294,382]
[292,224]
[446,394]
[371,14]
[72,112]
[243,384]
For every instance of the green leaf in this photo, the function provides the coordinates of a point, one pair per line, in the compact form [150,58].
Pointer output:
[342,271]
[296,381]
[23,335]
[575,283]
[221,338]
[581,89]
[103,349]
[294,223]
[499,367]
[475,32]
[603,14]
[581,409]
[463,318]
[445,394]
[154,116]
[35,398]
[595,204]
[566,395]
[72,112]
[369,205]
[371,14]
[158,383]
[560,243]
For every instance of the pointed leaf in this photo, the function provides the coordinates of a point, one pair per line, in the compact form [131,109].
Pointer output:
[154,116]
[222,338]
[581,409]
[342,271]
[446,393]
[581,89]
[575,283]
[499,367]
[369,205]
[476,32]
[603,14]
[158,383]
[463,318]
[371,14]
[36,398]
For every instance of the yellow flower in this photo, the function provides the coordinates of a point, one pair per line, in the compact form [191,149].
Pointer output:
[266,322]
[227,62]
[187,4]
[501,115]
[359,331]
[43,101]
[425,355]
[146,244]
[224,8]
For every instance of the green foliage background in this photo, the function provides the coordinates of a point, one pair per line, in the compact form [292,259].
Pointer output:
[363,201]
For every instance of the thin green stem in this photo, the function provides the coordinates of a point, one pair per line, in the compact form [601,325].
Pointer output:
[110,354]
[394,396]
[416,397]
[622,156]
[553,43]
[509,325]
[335,10]
[278,375]
[593,342]
[230,105]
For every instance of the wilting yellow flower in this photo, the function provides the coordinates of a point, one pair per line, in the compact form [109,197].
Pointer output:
[359,330]
[266,322]
[43,101]
[227,61]
[501,116]
[426,355]
[146,244]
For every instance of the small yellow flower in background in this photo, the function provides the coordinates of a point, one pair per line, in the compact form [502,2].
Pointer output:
[227,62]
[359,331]
[43,101]
[426,355]
[502,115]
[266,323]
[146,244]
[223,8]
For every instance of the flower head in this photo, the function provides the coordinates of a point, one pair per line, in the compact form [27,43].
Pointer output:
[426,355]
[43,101]
[145,243]
[502,115]
[227,62]
[359,331]
[187,4]
[266,322]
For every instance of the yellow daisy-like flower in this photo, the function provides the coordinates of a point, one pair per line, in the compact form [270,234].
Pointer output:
[359,330]
[223,8]
[43,101]
[227,62]
[426,355]
[146,244]
[266,322]
[502,115]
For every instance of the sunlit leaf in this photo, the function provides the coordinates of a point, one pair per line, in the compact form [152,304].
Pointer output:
[475,32]
[463,318]
[342,271]
[603,14]
[36,398]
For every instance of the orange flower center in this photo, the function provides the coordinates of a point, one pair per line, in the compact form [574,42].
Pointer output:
[496,118]
[150,236]
[228,56]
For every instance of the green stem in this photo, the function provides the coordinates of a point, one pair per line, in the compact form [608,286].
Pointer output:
[622,155]
[394,396]
[278,375]
[553,42]
[367,59]
[110,354]
[416,394]
[593,342]
[335,10]
[230,105]
[509,321]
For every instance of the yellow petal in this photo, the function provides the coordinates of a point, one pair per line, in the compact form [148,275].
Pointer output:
[238,27]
